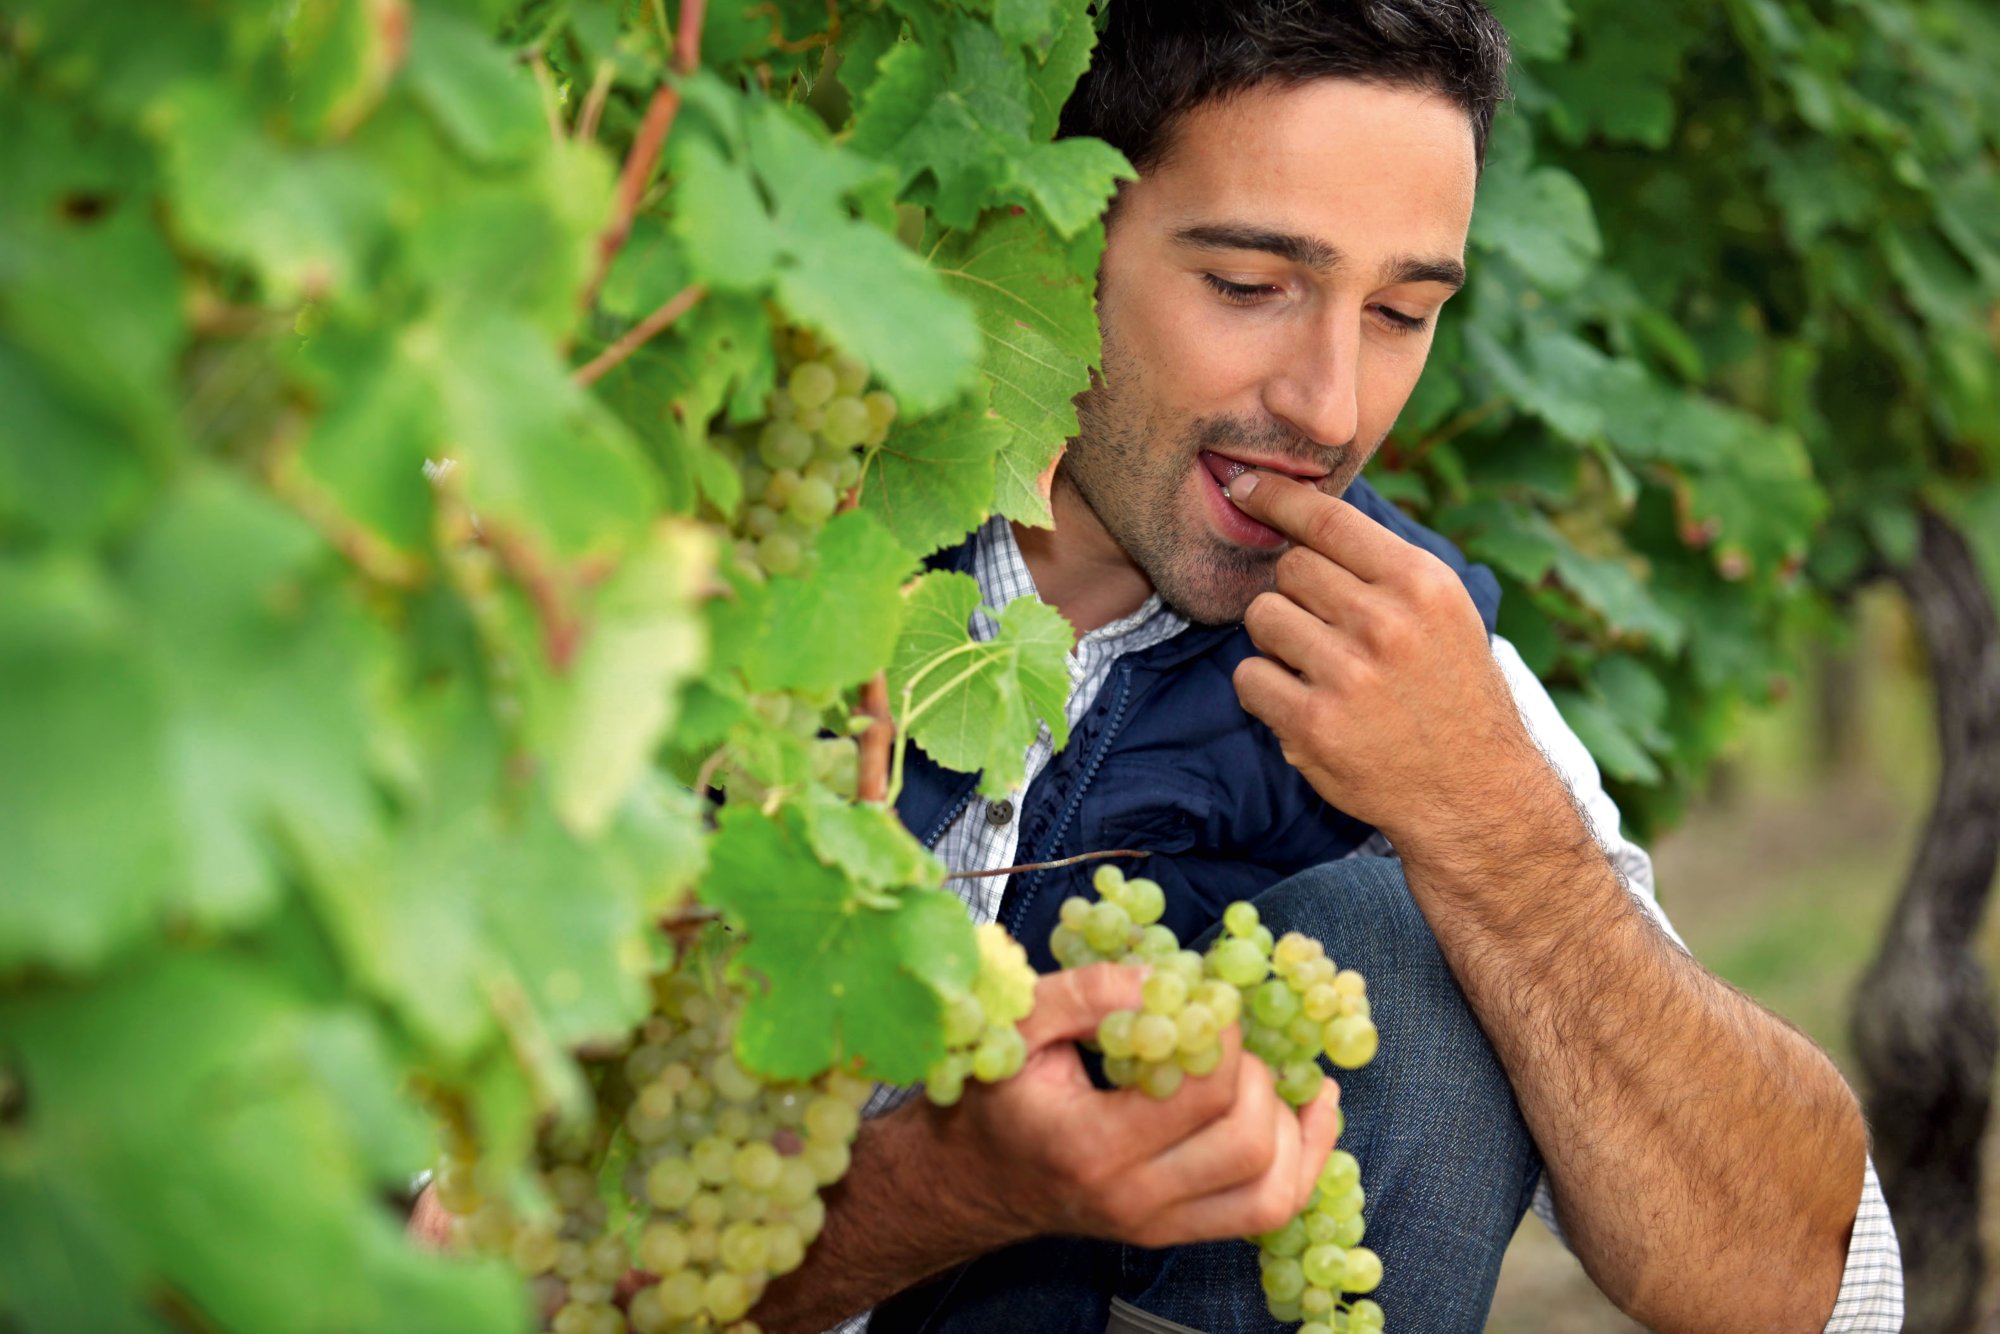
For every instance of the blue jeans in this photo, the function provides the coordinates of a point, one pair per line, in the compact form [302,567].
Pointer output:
[1446,1160]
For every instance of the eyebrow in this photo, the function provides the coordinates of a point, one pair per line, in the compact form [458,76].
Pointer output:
[1313,253]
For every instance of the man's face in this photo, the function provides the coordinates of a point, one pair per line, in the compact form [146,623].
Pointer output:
[1268,296]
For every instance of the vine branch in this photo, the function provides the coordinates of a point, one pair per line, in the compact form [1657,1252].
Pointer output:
[877,742]
[1055,865]
[646,146]
[640,334]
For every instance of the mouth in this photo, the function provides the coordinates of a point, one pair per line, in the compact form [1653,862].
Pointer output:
[1239,528]
[1225,468]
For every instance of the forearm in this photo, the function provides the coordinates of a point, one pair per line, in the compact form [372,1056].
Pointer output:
[889,1225]
[1688,1134]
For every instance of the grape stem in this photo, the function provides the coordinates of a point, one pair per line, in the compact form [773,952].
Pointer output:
[639,334]
[645,153]
[1055,865]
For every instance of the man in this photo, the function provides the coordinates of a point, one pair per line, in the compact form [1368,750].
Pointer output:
[1267,298]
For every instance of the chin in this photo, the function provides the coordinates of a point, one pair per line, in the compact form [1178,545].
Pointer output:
[1217,592]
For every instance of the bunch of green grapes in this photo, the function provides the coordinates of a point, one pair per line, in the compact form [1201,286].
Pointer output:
[700,1183]
[806,455]
[1294,1006]
[981,1038]
[1311,1261]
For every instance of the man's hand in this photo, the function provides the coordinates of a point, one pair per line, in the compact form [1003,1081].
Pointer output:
[1223,1157]
[1376,675]
[1046,1152]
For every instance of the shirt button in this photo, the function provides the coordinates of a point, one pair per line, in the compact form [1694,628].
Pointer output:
[999,813]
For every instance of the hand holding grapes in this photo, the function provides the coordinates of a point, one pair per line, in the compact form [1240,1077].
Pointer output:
[1223,1156]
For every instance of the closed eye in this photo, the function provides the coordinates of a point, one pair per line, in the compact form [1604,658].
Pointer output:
[1241,294]
[1401,323]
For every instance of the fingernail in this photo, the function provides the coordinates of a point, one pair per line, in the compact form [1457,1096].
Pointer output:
[1242,485]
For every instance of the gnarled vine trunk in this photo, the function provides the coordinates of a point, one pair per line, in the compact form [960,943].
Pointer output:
[1924,1025]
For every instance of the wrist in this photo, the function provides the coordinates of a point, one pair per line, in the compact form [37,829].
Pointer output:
[970,1201]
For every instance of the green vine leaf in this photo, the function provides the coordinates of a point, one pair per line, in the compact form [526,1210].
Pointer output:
[1040,328]
[975,705]
[839,981]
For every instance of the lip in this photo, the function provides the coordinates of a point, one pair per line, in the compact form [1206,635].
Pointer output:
[1233,524]
[1224,466]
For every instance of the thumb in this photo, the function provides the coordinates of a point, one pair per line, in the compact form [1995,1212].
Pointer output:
[1071,1004]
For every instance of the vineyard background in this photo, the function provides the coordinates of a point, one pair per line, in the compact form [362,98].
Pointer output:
[351,777]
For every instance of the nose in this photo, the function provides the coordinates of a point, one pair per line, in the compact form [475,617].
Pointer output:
[1315,388]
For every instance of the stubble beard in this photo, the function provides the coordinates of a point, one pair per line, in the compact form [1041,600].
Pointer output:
[1139,493]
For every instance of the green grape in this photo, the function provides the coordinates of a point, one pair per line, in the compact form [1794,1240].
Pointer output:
[1284,1281]
[999,1056]
[828,1159]
[945,1084]
[671,1183]
[1160,1081]
[1106,930]
[1197,1028]
[881,407]
[779,486]
[1341,1174]
[850,373]
[757,1166]
[783,445]
[1220,999]
[731,1080]
[1299,1082]
[1164,993]
[1145,900]
[1274,1003]
[849,471]
[1350,1042]
[534,1250]
[831,1120]
[1319,1003]
[1201,1061]
[1324,1265]
[1286,1241]
[1075,911]
[812,383]
[741,1247]
[1239,919]
[663,1248]
[812,502]
[1349,1231]
[780,554]
[846,423]
[1237,961]
[964,1019]
[1364,1270]
[1364,1317]
[726,1295]
[1114,1033]
[1155,1038]
[784,1248]
[1123,1071]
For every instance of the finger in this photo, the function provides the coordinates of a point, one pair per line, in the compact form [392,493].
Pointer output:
[1310,517]
[1248,1208]
[1071,1004]
[1327,589]
[1319,1128]
[1269,693]
[1150,1127]
[1283,630]
[1231,1150]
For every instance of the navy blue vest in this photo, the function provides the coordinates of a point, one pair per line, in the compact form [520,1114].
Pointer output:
[1167,761]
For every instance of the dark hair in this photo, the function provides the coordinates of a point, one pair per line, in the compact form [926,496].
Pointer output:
[1157,61]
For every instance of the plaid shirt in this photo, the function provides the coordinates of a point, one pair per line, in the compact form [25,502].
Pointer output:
[986,833]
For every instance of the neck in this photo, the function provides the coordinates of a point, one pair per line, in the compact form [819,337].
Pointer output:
[1079,569]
